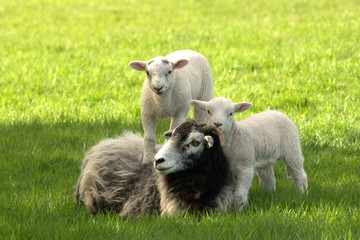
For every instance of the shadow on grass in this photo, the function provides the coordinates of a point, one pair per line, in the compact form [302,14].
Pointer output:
[42,161]
[43,156]
[39,156]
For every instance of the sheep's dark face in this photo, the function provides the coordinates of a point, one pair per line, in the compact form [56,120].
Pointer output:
[184,149]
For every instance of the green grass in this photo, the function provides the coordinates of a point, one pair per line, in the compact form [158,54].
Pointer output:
[65,85]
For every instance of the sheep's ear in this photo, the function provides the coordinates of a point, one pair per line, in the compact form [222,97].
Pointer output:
[241,107]
[209,141]
[216,131]
[138,65]
[180,63]
[199,104]
[167,134]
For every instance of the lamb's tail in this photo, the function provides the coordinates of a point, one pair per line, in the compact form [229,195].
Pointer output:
[108,172]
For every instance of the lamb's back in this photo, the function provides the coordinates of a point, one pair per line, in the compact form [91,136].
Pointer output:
[262,135]
[194,75]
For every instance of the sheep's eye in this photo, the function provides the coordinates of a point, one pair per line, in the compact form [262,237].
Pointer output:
[195,143]
[169,72]
[147,73]
[167,134]
[208,111]
[230,114]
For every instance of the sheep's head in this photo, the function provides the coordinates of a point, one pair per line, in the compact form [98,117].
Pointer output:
[220,111]
[187,147]
[159,72]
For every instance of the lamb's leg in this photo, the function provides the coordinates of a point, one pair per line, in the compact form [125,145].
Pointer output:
[179,118]
[149,126]
[267,179]
[206,95]
[245,178]
[295,169]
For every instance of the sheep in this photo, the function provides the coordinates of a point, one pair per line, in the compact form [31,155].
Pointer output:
[189,173]
[255,144]
[171,83]
[108,173]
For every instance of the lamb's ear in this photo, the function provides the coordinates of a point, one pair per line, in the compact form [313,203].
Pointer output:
[180,63]
[209,141]
[167,134]
[242,106]
[138,65]
[199,104]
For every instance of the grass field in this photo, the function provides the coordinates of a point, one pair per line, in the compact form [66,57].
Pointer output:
[65,85]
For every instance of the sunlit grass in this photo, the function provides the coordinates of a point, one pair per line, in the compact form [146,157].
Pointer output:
[65,85]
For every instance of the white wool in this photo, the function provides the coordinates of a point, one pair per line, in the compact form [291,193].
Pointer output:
[255,144]
[171,83]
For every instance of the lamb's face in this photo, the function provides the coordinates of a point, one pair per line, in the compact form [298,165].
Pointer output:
[159,72]
[183,150]
[220,112]
[160,76]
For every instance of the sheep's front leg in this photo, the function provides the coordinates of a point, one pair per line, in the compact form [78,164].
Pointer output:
[179,118]
[149,126]
[172,208]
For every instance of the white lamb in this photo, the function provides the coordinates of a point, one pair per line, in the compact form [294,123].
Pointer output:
[255,144]
[171,83]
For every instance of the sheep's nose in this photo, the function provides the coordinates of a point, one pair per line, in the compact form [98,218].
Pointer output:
[159,161]
[158,89]
[218,124]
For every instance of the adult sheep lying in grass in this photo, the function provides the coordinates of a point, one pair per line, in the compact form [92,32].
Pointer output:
[171,83]
[190,172]
[255,144]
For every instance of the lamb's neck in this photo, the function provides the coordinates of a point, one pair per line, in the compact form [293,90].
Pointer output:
[229,137]
[165,98]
